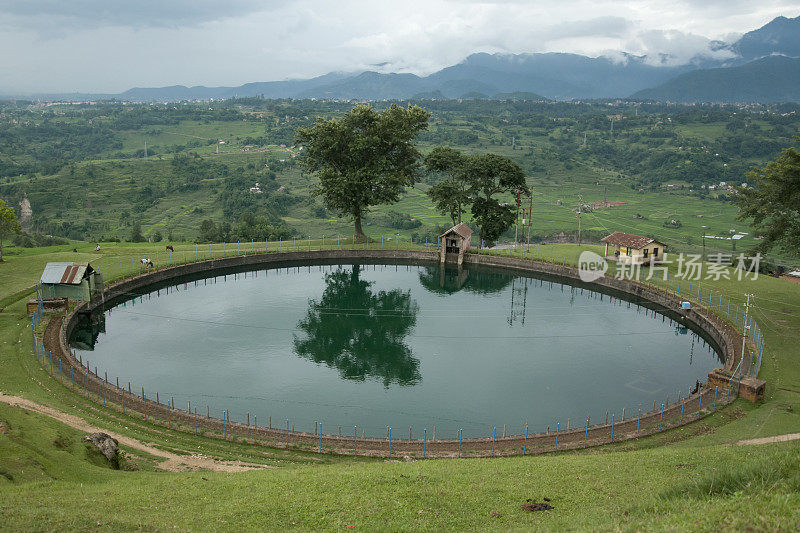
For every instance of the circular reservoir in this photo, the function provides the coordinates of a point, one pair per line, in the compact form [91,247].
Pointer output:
[377,345]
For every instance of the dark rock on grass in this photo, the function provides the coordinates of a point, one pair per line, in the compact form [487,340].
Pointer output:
[533,505]
[107,446]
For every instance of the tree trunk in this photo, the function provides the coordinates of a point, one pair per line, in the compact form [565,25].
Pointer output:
[359,233]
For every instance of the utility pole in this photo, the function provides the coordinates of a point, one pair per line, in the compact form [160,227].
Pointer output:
[145,149]
[584,139]
[580,208]
[704,243]
[746,327]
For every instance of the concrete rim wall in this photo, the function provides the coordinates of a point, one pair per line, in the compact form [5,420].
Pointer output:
[722,332]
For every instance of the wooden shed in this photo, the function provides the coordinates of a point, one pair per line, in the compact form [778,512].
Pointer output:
[76,281]
[454,243]
[629,248]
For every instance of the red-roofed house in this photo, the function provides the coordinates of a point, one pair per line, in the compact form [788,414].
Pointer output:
[629,248]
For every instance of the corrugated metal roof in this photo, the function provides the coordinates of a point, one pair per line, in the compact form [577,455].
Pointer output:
[629,240]
[66,273]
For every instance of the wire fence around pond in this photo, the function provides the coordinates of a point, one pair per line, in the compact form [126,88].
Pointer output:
[81,378]
[732,309]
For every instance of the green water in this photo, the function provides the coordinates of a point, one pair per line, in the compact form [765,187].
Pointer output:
[396,345]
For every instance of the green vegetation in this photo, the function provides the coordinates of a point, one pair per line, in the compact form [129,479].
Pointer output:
[681,479]
[363,159]
[8,223]
[96,185]
[474,180]
[660,160]
[774,203]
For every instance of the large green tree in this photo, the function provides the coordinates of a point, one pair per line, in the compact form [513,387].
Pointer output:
[773,204]
[365,158]
[8,223]
[450,196]
[476,180]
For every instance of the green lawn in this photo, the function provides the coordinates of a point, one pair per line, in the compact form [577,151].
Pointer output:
[687,478]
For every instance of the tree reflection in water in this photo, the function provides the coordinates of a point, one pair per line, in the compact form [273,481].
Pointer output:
[360,332]
[441,280]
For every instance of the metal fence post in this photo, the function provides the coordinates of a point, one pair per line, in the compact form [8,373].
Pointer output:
[612,427]
[390,441]
[424,441]
[287,433]
[494,435]
[460,431]
[661,421]
[255,430]
[557,425]
[224,425]
[195,420]
[700,404]
[355,440]
[715,398]
[586,435]
[638,422]
[525,442]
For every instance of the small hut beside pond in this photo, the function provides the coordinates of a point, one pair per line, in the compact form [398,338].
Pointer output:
[454,243]
[76,281]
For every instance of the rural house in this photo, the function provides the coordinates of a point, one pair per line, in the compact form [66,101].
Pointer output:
[629,248]
[454,243]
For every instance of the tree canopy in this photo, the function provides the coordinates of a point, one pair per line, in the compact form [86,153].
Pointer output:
[451,195]
[475,180]
[8,223]
[774,203]
[365,158]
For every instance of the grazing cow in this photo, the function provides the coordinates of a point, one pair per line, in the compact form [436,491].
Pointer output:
[146,263]
[170,248]
[75,250]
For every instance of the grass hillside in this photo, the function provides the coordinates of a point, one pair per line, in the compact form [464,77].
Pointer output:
[87,174]
[687,478]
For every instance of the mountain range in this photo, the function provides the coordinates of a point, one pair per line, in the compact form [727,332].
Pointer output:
[762,66]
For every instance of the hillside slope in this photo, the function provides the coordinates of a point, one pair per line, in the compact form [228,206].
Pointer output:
[771,79]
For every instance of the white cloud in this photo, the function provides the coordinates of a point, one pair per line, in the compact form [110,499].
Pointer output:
[105,45]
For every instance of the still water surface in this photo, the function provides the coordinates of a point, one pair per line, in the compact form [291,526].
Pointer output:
[396,345]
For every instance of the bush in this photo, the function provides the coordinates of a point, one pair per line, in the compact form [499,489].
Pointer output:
[396,220]
[34,240]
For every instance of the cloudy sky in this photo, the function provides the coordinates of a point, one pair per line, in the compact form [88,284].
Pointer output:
[113,45]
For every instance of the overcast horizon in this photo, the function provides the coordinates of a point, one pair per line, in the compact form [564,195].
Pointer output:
[96,46]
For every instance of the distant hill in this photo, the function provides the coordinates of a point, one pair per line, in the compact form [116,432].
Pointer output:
[770,79]
[556,76]
[780,36]
[519,95]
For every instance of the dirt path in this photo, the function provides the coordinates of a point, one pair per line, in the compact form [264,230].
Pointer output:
[767,440]
[172,462]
